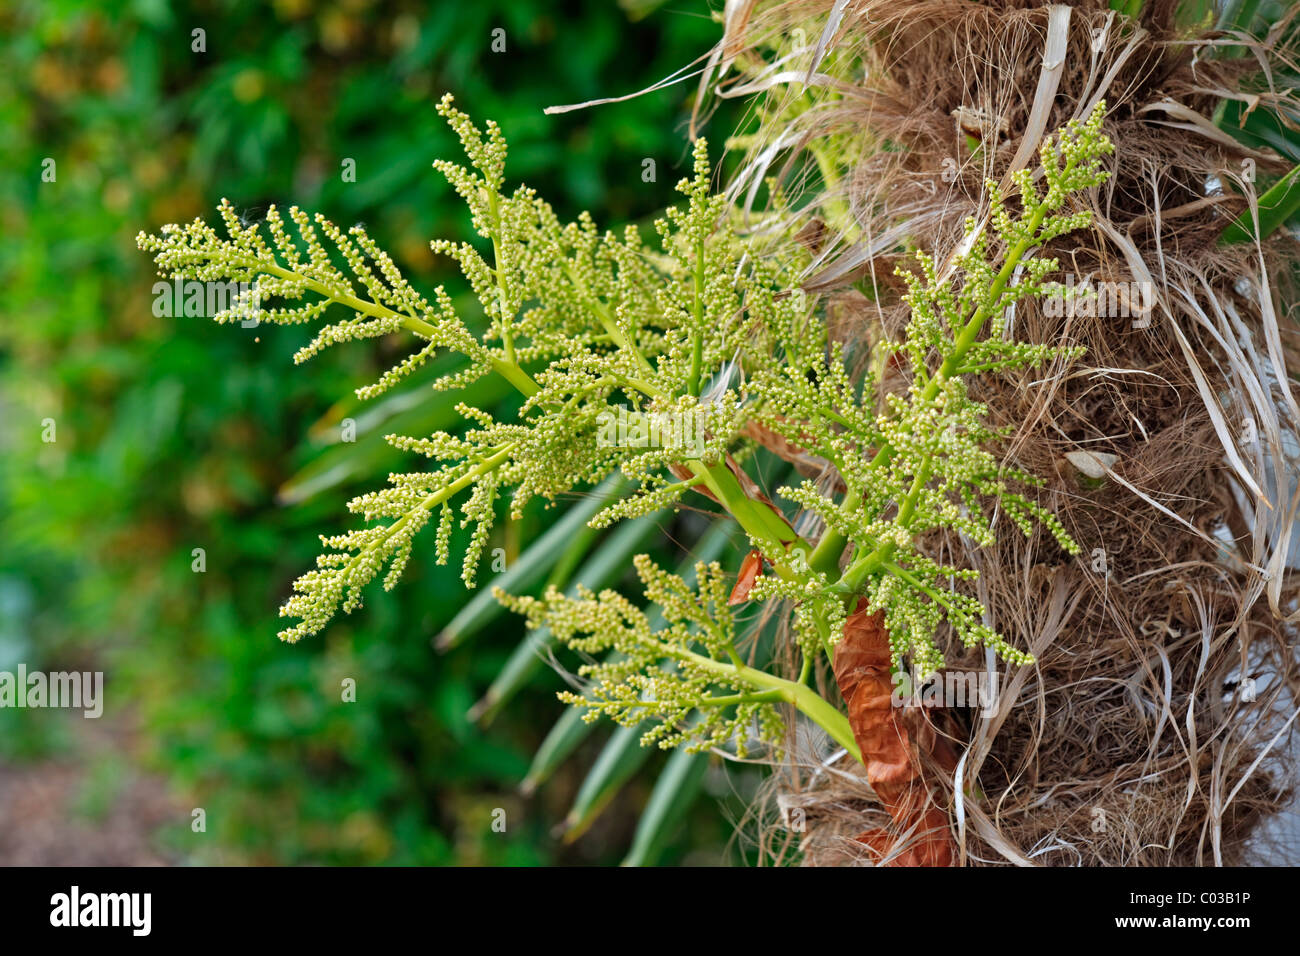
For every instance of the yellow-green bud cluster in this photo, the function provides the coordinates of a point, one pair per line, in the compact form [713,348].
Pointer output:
[707,330]
[678,681]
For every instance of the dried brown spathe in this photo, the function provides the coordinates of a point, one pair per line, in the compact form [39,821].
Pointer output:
[920,835]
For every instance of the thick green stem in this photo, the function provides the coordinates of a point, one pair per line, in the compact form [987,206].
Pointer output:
[697,349]
[825,557]
[503,296]
[516,376]
[807,701]
[760,520]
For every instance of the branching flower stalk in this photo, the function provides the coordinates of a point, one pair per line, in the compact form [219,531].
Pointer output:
[703,327]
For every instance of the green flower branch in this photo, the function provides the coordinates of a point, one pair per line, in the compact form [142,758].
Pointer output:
[673,673]
[701,327]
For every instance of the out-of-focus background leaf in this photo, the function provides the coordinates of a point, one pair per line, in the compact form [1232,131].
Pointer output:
[172,435]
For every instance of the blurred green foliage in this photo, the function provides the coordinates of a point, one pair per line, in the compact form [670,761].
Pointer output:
[177,434]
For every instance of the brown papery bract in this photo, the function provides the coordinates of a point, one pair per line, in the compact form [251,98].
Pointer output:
[919,835]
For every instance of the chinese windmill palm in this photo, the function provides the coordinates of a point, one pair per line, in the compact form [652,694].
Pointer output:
[700,325]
